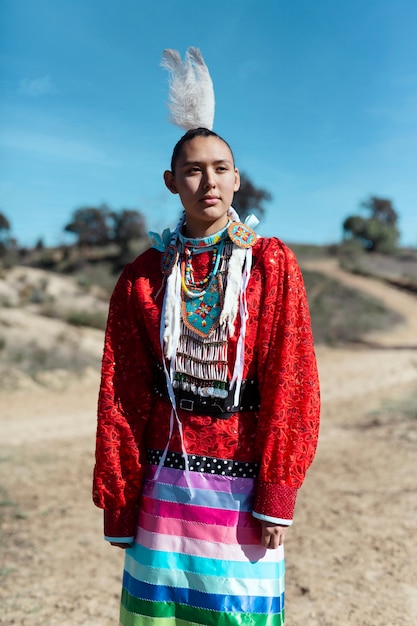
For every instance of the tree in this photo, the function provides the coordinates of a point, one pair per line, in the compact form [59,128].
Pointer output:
[93,226]
[4,234]
[97,226]
[377,232]
[129,224]
[4,226]
[381,210]
[249,198]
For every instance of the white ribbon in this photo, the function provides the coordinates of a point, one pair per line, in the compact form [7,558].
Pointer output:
[240,348]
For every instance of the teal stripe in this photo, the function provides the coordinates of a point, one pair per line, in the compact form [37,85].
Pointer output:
[205,583]
[201,565]
[201,497]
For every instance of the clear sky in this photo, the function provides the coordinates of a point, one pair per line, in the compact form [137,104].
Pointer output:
[317,99]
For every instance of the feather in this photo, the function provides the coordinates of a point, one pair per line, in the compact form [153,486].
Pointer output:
[191,93]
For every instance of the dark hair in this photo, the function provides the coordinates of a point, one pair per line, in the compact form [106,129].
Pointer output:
[189,135]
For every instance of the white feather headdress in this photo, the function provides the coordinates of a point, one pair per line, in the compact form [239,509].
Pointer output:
[191,93]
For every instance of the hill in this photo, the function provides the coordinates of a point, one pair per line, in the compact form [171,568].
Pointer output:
[46,333]
[51,320]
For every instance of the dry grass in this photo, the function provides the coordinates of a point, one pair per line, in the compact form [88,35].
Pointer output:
[340,314]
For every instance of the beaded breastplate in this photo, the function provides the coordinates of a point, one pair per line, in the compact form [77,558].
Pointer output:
[201,364]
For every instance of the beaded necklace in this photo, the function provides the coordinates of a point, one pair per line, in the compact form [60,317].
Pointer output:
[191,287]
[201,243]
[191,247]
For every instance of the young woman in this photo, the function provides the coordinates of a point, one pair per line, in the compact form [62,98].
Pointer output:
[208,410]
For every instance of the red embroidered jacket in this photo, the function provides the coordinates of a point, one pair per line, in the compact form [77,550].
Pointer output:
[279,353]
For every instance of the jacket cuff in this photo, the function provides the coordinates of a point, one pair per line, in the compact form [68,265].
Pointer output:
[120,523]
[277,501]
[127,540]
[273,520]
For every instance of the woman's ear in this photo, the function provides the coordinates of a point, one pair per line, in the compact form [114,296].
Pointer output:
[169,179]
[237,180]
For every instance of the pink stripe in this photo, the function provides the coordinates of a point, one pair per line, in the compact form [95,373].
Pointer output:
[205,548]
[182,528]
[198,514]
[201,480]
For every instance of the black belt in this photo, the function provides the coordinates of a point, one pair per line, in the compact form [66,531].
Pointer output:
[222,408]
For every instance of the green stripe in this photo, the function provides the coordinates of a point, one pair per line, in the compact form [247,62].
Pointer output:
[137,612]
[133,619]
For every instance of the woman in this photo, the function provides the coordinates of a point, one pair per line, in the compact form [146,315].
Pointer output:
[208,409]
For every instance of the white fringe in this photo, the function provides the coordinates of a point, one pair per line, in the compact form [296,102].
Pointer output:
[244,314]
[172,316]
[233,286]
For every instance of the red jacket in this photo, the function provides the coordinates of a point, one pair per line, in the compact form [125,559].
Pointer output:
[279,353]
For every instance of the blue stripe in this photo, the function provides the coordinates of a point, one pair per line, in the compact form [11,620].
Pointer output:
[201,565]
[201,497]
[213,602]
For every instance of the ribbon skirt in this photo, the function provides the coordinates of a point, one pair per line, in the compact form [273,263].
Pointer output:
[197,557]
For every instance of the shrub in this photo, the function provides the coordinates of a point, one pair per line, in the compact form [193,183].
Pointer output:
[92,319]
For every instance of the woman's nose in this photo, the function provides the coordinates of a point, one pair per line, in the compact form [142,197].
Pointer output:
[209,179]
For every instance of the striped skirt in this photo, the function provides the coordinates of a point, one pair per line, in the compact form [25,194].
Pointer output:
[197,557]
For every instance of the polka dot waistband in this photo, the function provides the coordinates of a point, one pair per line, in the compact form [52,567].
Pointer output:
[206,464]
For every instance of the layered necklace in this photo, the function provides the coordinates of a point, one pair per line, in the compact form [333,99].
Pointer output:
[191,287]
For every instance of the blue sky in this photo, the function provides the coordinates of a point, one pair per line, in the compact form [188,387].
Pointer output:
[317,99]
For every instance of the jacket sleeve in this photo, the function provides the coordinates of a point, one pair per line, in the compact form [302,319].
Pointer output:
[288,423]
[123,408]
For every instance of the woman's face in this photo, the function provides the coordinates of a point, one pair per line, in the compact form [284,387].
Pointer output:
[205,179]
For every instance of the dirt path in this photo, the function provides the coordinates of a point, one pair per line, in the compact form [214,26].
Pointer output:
[351,554]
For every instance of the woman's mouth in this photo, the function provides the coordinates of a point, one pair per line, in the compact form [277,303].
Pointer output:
[209,200]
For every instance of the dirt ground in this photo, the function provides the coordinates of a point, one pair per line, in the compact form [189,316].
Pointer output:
[351,553]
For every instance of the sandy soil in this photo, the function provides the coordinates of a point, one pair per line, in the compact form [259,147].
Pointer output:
[351,554]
